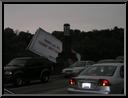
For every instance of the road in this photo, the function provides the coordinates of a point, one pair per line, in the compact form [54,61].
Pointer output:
[57,85]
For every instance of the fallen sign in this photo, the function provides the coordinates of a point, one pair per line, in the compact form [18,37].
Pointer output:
[45,44]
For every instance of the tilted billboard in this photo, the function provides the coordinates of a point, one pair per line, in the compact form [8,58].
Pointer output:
[45,44]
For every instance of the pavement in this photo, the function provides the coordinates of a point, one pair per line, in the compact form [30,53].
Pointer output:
[6,91]
[57,76]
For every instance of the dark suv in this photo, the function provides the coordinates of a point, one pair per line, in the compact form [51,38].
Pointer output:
[21,70]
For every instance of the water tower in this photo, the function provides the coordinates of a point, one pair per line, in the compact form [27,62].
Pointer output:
[66,29]
[66,43]
[67,39]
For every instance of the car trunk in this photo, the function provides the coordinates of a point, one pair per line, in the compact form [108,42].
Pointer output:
[89,83]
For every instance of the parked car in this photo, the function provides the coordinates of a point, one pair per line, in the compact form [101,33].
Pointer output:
[110,61]
[105,78]
[22,70]
[76,68]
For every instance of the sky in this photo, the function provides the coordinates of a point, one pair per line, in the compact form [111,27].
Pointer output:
[52,17]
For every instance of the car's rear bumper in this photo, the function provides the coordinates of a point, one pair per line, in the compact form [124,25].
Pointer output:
[78,91]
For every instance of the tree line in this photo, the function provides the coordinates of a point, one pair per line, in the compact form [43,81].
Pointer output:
[91,45]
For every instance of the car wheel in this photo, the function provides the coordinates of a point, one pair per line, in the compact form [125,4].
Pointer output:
[45,77]
[18,81]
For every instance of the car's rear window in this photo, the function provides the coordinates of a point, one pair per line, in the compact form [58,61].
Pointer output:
[99,71]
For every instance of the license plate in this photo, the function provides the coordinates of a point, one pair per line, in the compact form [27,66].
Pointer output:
[86,85]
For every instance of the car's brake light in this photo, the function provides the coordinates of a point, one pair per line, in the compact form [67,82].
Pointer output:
[72,82]
[103,82]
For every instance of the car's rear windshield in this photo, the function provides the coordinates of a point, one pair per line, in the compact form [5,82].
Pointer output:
[18,62]
[99,71]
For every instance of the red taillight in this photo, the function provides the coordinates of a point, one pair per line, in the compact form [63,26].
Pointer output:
[104,82]
[72,82]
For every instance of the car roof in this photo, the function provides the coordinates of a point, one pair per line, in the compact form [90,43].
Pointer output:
[108,64]
[33,58]
[28,57]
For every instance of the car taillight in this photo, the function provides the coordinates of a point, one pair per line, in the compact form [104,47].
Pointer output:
[103,82]
[72,82]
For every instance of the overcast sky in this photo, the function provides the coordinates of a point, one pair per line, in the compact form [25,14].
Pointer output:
[51,17]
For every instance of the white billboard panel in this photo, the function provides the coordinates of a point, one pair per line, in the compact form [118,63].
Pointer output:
[45,44]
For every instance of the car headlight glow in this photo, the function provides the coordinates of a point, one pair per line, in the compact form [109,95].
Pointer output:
[8,73]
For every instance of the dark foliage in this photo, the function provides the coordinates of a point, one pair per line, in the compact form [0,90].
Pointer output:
[96,44]
[92,45]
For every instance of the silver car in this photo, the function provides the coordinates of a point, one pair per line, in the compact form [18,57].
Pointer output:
[104,78]
[76,68]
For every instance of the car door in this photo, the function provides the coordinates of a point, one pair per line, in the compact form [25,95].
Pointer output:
[119,81]
[33,69]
